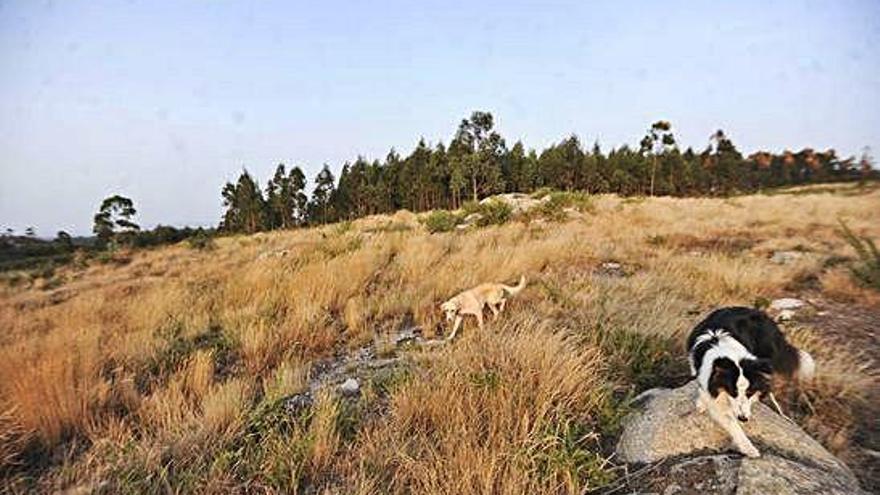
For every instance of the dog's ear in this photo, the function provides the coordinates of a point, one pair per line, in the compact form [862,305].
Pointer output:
[759,373]
[724,375]
[764,366]
[757,366]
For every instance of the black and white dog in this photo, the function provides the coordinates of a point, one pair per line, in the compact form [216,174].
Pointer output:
[733,354]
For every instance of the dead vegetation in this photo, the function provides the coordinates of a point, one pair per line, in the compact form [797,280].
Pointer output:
[168,373]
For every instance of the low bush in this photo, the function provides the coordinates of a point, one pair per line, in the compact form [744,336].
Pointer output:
[556,203]
[867,269]
[492,212]
[201,241]
[440,221]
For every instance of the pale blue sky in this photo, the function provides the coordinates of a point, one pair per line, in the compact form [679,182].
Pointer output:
[165,101]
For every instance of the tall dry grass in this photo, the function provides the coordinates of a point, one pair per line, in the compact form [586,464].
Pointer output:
[513,410]
[150,366]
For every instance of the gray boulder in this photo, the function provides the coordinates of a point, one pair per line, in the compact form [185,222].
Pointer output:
[786,303]
[350,387]
[518,202]
[666,427]
[469,221]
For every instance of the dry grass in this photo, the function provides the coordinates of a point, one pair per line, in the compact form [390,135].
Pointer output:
[504,412]
[166,372]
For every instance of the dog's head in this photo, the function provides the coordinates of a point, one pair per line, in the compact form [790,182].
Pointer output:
[739,384]
[450,308]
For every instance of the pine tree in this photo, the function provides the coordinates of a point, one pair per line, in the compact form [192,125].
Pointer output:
[320,208]
[657,141]
[477,163]
[296,181]
[281,200]
[481,165]
[246,209]
[520,169]
[113,222]
[725,164]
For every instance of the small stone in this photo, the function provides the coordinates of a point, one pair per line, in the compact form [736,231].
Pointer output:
[407,335]
[298,402]
[349,387]
[472,218]
[785,315]
[612,269]
[364,354]
[786,303]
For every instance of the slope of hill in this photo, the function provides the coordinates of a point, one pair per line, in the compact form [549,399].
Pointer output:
[181,370]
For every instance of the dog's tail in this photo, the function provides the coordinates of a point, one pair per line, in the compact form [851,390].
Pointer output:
[518,287]
[806,366]
[795,363]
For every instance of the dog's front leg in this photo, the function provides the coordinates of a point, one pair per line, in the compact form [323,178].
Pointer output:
[740,440]
[455,327]
[494,312]
[734,429]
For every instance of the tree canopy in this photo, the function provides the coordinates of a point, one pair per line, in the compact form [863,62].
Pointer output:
[114,219]
[477,163]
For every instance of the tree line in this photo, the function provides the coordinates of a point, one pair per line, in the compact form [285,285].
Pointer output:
[477,163]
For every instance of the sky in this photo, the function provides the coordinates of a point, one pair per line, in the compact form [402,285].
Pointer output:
[164,102]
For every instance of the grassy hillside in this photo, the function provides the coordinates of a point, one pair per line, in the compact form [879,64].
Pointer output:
[169,369]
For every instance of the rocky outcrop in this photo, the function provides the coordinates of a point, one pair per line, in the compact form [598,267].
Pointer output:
[345,374]
[786,308]
[518,202]
[667,429]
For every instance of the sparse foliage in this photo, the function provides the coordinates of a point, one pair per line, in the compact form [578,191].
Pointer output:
[441,221]
[245,206]
[867,268]
[113,222]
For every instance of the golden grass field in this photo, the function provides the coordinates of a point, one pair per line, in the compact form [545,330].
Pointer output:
[164,370]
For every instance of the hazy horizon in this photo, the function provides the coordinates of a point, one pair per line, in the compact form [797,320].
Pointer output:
[165,102]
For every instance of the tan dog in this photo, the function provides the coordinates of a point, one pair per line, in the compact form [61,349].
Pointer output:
[472,302]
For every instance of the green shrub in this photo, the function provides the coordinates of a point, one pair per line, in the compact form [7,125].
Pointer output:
[494,212]
[440,221]
[557,202]
[570,448]
[470,207]
[201,241]
[867,269]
